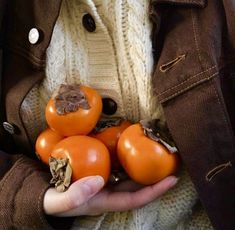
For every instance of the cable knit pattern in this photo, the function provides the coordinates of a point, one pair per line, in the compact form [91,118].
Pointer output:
[116,60]
[33,114]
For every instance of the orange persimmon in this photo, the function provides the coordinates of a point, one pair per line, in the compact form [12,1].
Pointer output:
[86,156]
[145,161]
[74,111]
[45,142]
[109,136]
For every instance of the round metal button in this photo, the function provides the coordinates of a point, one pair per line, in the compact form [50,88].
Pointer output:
[33,36]
[9,127]
[89,23]
[109,106]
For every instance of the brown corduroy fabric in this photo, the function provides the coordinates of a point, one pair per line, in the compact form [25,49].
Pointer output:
[18,187]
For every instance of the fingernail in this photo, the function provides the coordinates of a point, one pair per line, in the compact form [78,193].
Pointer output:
[94,184]
[173,181]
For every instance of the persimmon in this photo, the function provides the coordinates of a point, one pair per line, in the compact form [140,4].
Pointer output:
[85,155]
[75,110]
[45,142]
[108,131]
[145,161]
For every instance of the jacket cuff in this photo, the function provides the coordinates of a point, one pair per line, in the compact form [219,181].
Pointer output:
[22,190]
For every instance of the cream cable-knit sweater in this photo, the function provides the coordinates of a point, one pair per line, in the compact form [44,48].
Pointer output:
[116,60]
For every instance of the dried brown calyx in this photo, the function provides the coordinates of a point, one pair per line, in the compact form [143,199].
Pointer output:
[105,123]
[61,173]
[158,131]
[69,99]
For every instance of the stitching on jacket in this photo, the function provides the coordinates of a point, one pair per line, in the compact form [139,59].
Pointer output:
[223,110]
[165,67]
[224,116]
[200,61]
[173,87]
[195,38]
[195,83]
[216,170]
[213,172]
[38,207]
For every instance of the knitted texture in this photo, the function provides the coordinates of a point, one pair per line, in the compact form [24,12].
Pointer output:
[116,60]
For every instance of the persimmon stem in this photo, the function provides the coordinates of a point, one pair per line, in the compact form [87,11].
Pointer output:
[159,132]
[69,99]
[61,172]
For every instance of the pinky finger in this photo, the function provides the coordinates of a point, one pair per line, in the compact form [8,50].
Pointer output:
[150,193]
[123,201]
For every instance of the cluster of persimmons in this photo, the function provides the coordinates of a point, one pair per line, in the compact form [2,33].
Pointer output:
[95,146]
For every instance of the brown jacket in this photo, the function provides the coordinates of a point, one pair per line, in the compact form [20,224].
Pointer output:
[194,79]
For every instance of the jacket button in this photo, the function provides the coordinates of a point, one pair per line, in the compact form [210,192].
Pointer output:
[33,36]
[109,106]
[89,23]
[10,128]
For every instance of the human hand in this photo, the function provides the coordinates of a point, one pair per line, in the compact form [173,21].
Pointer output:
[86,196]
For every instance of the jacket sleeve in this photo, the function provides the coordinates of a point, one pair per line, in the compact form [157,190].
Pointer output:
[23,182]
[22,187]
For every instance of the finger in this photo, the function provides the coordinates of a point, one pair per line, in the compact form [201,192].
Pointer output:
[126,186]
[148,194]
[78,193]
[106,201]
[123,201]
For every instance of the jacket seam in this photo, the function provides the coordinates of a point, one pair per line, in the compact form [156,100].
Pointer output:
[183,82]
[195,38]
[190,86]
[223,113]
[39,209]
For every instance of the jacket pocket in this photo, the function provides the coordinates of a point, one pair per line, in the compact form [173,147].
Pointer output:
[178,73]
[186,54]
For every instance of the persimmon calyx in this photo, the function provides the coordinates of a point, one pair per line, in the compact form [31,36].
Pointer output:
[157,131]
[61,172]
[105,123]
[69,99]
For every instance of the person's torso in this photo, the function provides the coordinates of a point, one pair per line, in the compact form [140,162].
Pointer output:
[116,60]
[193,78]
[103,44]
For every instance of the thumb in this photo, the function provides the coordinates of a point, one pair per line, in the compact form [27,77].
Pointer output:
[78,193]
[83,189]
